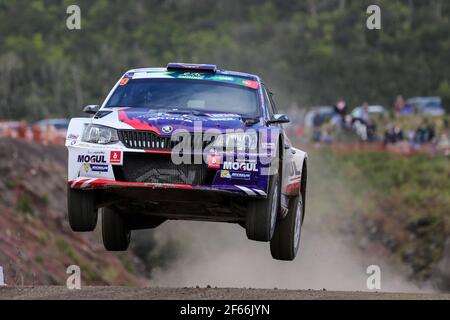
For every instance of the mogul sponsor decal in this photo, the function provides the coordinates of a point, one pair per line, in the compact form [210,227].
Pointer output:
[91,158]
[115,157]
[240,166]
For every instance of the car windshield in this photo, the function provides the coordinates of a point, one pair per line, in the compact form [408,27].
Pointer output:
[185,94]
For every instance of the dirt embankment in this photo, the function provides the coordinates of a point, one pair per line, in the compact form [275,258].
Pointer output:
[36,243]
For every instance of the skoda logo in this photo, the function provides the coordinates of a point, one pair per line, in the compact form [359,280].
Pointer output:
[167,129]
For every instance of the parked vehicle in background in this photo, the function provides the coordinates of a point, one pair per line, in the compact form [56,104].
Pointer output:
[431,106]
[324,114]
[372,110]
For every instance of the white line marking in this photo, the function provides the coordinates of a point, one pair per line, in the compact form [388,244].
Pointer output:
[76,181]
[262,193]
[246,190]
[86,183]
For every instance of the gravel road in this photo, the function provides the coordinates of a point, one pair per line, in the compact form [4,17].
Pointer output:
[96,293]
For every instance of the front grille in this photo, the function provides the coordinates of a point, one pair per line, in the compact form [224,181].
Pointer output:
[145,140]
[148,140]
[159,168]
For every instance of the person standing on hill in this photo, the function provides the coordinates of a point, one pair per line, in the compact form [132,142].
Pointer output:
[340,111]
[399,104]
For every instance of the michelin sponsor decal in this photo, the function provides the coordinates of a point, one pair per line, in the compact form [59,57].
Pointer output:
[95,168]
[99,168]
[225,174]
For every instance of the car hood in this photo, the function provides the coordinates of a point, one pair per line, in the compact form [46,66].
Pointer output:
[163,123]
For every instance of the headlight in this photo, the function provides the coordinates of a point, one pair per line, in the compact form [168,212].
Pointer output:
[240,141]
[99,134]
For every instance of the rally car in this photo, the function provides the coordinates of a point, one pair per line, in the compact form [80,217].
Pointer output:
[186,142]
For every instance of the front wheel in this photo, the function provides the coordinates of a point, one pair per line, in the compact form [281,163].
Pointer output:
[115,230]
[81,209]
[262,214]
[286,239]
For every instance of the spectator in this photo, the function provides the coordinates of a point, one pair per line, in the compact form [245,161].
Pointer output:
[371,131]
[424,134]
[399,104]
[340,111]
[317,123]
[340,107]
[365,112]
[398,132]
[392,134]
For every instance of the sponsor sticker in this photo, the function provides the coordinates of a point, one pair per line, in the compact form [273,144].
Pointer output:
[124,81]
[115,157]
[99,168]
[251,84]
[268,145]
[225,174]
[91,158]
[72,136]
[240,166]
[213,161]
[241,175]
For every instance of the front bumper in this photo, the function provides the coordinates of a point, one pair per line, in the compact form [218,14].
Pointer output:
[94,168]
[86,183]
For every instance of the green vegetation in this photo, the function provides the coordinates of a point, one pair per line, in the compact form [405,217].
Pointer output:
[310,52]
[24,204]
[399,203]
[66,248]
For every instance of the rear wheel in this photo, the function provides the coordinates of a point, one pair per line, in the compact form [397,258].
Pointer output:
[81,209]
[262,213]
[286,239]
[115,231]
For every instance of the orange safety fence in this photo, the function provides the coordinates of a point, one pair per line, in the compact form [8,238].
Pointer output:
[23,131]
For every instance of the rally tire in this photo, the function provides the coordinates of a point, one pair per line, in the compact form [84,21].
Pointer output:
[82,211]
[262,214]
[115,231]
[286,239]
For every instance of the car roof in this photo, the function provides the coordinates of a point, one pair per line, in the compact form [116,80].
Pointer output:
[218,72]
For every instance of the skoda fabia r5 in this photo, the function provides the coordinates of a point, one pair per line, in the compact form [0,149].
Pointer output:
[186,142]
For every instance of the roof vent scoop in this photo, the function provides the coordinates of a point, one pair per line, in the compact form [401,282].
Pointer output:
[191,67]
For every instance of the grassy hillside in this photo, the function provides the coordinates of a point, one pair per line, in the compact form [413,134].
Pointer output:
[393,206]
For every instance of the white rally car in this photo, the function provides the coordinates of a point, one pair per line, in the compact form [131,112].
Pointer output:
[238,165]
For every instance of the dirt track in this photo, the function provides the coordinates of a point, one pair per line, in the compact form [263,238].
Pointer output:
[95,293]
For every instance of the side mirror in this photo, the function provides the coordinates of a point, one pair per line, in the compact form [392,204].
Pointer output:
[279,118]
[91,109]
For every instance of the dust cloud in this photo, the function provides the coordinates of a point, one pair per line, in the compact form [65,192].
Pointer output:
[220,255]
